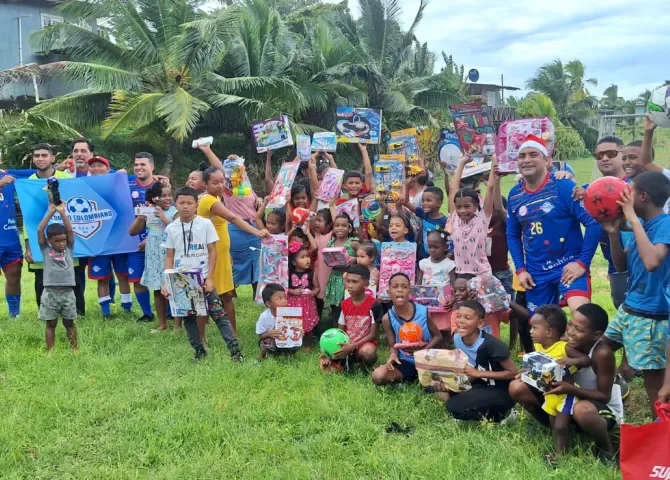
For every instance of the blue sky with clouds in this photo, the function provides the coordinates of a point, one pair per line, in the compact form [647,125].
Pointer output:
[626,42]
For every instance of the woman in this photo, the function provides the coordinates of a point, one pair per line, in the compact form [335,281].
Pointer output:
[210,206]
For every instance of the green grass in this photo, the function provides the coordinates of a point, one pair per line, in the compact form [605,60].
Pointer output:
[132,404]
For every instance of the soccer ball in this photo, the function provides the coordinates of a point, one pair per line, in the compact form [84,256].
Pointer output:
[411,332]
[659,107]
[601,197]
[79,205]
[330,341]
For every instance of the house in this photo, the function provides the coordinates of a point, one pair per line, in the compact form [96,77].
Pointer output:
[18,20]
[487,93]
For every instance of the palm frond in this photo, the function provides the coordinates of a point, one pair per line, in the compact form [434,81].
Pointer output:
[48,127]
[130,111]
[97,76]
[78,109]
[181,112]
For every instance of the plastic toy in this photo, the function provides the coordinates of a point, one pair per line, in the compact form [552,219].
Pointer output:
[331,341]
[443,370]
[491,293]
[187,297]
[449,150]
[658,107]
[395,257]
[273,263]
[601,197]
[289,323]
[370,208]
[335,256]
[299,216]
[426,295]
[304,147]
[472,123]
[356,124]
[513,133]
[331,185]
[350,207]
[201,142]
[283,184]
[405,142]
[272,134]
[540,371]
[389,176]
[237,180]
[324,142]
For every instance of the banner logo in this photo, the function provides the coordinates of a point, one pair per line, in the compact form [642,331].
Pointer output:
[85,216]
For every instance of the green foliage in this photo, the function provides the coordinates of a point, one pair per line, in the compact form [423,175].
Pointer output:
[569,144]
[537,105]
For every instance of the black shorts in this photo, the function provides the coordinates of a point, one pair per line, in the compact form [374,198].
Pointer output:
[408,370]
[603,410]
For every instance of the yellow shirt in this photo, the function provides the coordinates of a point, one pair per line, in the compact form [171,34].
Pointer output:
[516,285]
[556,351]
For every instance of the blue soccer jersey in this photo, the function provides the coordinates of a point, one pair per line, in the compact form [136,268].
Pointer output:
[138,194]
[544,227]
[9,235]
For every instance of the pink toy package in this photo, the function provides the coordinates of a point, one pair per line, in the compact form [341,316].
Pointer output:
[331,185]
[273,264]
[513,133]
[283,184]
[351,208]
[491,293]
[397,257]
[335,256]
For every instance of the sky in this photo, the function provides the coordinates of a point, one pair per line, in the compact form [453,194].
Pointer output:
[622,42]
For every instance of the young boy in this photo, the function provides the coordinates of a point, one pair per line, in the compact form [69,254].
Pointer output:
[191,243]
[356,183]
[429,212]
[490,369]
[274,297]
[641,322]
[58,298]
[360,318]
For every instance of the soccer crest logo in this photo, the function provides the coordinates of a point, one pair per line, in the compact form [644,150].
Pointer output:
[85,216]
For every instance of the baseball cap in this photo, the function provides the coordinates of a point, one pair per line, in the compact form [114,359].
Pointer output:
[98,159]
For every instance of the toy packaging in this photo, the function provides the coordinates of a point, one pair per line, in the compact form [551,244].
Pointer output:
[273,263]
[304,147]
[476,135]
[491,293]
[443,370]
[289,323]
[370,208]
[331,185]
[449,151]
[335,256]
[283,184]
[237,180]
[389,177]
[513,133]
[426,295]
[405,142]
[272,134]
[356,124]
[396,257]
[187,297]
[324,142]
[350,207]
[201,142]
[539,370]
[145,210]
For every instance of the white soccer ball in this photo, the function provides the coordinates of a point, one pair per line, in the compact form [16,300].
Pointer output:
[659,107]
[79,205]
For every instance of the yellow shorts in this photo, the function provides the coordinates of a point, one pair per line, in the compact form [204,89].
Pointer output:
[559,403]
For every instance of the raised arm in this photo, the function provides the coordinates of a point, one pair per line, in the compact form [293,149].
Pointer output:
[653,255]
[41,237]
[331,159]
[313,182]
[647,144]
[489,201]
[211,157]
[455,183]
[269,181]
[367,166]
[260,214]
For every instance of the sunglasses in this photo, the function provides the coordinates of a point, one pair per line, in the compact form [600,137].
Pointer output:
[608,153]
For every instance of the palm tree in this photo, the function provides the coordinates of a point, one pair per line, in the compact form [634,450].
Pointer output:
[537,105]
[566,87]
[645,96]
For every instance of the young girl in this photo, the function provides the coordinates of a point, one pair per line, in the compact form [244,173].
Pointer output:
[323,232]
[303,237]
[437,270]
[159,195]
[342,230]
[274,222]
[301,197]
[366,255]
[303,286]
[399,227]
[400,365]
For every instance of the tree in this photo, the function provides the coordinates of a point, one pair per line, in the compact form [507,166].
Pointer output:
[536,105]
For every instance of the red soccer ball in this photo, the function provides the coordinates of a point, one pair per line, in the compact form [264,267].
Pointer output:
[411,332]
[299,215]
[601,197]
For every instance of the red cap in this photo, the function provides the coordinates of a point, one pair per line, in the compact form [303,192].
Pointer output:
[98,159]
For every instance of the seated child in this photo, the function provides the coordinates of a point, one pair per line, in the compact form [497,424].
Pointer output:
[400,366]
[548,325]
[274,297]
[360,318]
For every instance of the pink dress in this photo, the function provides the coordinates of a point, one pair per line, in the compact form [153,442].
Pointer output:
[470,244]
[321,270]
[303,281]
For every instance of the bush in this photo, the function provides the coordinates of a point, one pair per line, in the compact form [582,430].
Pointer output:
[569,144]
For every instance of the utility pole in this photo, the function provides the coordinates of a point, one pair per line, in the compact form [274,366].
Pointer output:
[502,90]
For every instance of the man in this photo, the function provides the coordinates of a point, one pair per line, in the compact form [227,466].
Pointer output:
[544,233]
[82,151]
[11,253]
[43,159]
[139,183]
[100,268]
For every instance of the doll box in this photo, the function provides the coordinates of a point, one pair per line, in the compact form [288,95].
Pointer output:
[187,297]
[335,256]
[540,371]
[289,323]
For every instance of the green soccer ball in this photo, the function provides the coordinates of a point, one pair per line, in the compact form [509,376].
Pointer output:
[330,341]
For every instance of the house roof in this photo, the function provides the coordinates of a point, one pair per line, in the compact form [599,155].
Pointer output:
[490,86]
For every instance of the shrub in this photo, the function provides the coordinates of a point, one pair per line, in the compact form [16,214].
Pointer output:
[569,144]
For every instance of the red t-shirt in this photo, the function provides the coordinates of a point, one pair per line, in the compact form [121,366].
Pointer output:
[357,320]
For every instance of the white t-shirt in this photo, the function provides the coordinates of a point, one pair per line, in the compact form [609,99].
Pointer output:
[266,321]
[436,274]
[417,198]
[666,172]
[190,241]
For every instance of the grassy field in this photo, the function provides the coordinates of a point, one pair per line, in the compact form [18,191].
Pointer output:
[132,404]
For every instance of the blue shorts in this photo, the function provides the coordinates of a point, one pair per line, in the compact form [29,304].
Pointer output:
[408,370]
[644,339]
[11,255]
[549,290]
[135,266]
[100,268]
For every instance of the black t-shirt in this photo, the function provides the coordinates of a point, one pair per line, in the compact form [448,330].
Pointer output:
[487,353]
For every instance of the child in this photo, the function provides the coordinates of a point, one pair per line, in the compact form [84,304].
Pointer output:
[437,270]
[360,318]
[461,292]
[400,365]
[342,230]
[59,281]
[274,297]
[323,227]
[490,370]
[274,222]
[470,225]
[301,197]
[429,212]
[366,255]
[303,237]
[191,243]
[159,195]
[547,327]
[399,227]
[355,183]
[303,286]
[641,323]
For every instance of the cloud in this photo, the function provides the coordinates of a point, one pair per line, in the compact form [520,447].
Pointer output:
[620,42]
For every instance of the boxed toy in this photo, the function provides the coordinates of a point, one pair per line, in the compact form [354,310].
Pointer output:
[303,146]
[273,264]
[540,371]
[350,207]
[358,125]
[395,257]
[476,135]
[283,184]
[187,297]
[491,293]
[331,185]
[389,176]
[324,142]
[426,295]
[289,323]
[513,133]
[405,142]
[272,134]
[335,256]
[443,370]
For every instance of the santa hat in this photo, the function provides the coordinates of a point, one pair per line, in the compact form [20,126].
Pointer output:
[536,142]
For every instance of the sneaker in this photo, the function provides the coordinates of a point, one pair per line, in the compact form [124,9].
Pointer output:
[625,389]
[237,357]
[145,319]
[510,419]
[200,354]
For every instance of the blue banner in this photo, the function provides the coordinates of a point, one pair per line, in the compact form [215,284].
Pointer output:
[99,208]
